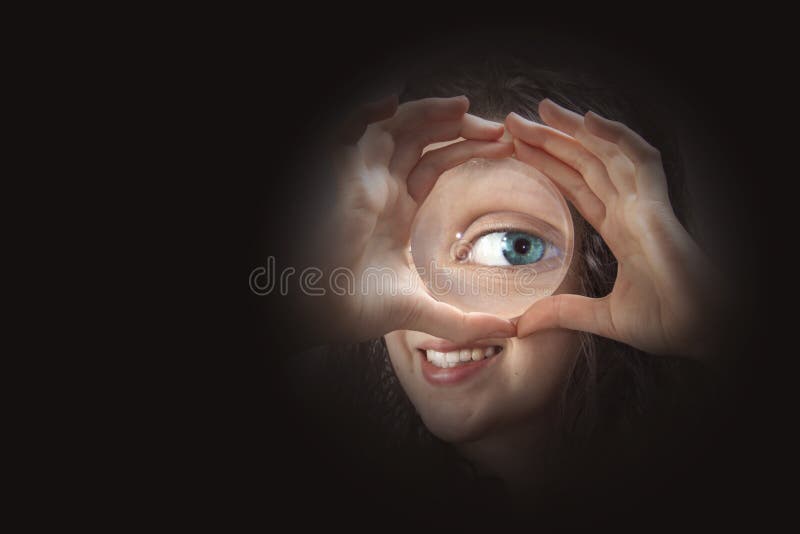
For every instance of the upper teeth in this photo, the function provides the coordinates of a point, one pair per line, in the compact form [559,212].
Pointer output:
[455,357]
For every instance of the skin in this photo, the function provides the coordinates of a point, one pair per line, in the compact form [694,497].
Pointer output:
[522,384]
[500,419]
[666,289]
[382,178]
[506,409]
[490,196]
[662,297]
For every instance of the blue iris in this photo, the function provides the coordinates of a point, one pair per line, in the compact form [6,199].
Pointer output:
[520,248]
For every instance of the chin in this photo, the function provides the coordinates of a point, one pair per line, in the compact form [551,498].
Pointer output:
[465,393]
[456,426]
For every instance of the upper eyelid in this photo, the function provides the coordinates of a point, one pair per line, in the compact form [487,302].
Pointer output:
[505,230]
[540,228]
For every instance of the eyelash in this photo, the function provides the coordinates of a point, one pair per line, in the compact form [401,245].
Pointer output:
[551,250]
[511,229]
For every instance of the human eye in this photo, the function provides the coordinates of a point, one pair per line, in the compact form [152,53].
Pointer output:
[513,247]
[511,240]
[492,236]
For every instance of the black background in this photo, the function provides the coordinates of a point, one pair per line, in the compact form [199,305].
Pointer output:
[257,95]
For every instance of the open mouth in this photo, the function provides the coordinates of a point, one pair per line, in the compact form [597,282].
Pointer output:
[460,357]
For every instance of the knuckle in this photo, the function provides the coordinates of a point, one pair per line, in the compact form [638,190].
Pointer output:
[621,132]
[588,164]
[581,161]
[556,304]
[620,163]
[463,323]
[413,316]
[581,188]
[652,153]
[428,111]
[430,108]
[405,106]
[380,140]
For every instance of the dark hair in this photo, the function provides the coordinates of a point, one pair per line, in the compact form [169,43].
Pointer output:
[613,387]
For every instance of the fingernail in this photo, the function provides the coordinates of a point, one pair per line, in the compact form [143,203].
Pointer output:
[495,126]
[545,104]
[520,118]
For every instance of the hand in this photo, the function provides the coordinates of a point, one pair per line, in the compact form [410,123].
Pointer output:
[381,180]
[662,297]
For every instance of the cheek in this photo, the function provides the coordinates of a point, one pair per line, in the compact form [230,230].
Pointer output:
[540,365]
[399,353]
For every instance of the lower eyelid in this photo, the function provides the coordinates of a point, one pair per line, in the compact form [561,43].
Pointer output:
[551,251]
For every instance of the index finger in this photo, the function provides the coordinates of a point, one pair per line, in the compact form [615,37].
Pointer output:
[413,115]
[410,145]
[435,162]
[354,126]
[448,322]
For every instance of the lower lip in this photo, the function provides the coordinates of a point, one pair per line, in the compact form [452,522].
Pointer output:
[448,376]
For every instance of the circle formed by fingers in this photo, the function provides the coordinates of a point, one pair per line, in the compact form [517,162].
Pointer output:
[493,236]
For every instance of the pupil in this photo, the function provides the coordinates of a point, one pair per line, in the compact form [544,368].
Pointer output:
[522,246]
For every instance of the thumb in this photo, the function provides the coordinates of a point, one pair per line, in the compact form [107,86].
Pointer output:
[448,322]
[573,312]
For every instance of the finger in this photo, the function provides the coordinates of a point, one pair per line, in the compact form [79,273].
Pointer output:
[409,147]
[560,118]
[382,109]
[632,144]
[572,312]
[568,180]
[448,322]
[354,126]
[424,175]
[474,127]
[568,150]
[619,167]
[646,159]
[412,115]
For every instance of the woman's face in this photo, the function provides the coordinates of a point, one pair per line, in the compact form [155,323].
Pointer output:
[497,383]
[523,380]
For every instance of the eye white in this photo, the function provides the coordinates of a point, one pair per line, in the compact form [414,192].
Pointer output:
[488,250]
